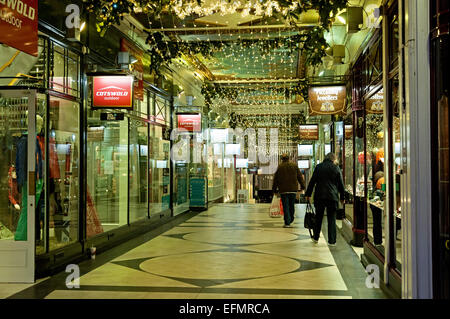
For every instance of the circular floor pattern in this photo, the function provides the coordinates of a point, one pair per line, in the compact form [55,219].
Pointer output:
[220,265]
[236,237]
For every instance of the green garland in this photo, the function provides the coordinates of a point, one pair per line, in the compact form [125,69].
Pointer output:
[111,12]
[162,51]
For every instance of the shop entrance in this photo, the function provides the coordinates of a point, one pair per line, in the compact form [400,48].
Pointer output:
[21,180]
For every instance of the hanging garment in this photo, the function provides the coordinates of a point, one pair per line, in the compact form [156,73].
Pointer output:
[13,191]
[22,158]
[53,159]
[93,225]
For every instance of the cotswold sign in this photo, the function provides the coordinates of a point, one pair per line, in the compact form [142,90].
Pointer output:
[19,25]
[325,100]
[112,92]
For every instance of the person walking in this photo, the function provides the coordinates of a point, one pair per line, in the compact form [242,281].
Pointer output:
[328,184]
[285,182]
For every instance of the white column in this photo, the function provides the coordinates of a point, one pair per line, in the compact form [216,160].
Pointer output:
[416,180]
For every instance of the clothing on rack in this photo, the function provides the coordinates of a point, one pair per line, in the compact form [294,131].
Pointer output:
[13,191]
[22,161]
[53,159]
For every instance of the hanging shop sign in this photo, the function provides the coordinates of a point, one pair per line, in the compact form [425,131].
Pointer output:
[325,100]
[137,68]
[190,122]
[19,25]
[375,104]
[113,92]
[309,132]
[348,132]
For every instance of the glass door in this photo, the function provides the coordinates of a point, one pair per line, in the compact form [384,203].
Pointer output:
[21,180]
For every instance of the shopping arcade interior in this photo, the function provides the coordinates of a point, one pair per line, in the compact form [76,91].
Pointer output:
[288,67]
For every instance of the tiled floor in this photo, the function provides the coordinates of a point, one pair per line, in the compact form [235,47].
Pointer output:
[230,251]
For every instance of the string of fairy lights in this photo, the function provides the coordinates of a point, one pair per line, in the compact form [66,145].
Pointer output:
[251,55]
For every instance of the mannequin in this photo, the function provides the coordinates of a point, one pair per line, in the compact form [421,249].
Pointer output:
[21,171]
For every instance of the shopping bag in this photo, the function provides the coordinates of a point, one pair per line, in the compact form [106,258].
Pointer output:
[281,207]
[310,218]
[275,207]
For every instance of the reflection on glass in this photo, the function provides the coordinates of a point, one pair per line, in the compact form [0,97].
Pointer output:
[159,171]
[138,170]
[376,190]
[348,170]
[180,188]
[13,167]
[107,174]
[215,174]
[396,165]
[63,190]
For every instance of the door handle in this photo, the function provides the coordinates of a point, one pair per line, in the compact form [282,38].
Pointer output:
[32,183]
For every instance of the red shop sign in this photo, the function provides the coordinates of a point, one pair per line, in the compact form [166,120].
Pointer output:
[19,25]
[113,92]
[190,122]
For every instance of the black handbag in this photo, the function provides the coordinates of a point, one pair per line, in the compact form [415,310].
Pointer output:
[310,218]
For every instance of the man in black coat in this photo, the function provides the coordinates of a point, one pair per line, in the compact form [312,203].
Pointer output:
[327,179]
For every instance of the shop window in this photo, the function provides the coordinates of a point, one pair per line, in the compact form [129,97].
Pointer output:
[215,175]
[396,166]
[159,169]
[348,168]
[160,110]
[376,176]
[393,41]
[180,187]
[13,165]
[141,106]
[107,174]
[63,163]
[138,170]
[64,71]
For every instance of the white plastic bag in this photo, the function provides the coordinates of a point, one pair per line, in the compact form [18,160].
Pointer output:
[275,207]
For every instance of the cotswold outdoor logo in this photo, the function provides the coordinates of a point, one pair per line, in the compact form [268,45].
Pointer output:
[113,91]
[19,7]
[373,278]
[19,25]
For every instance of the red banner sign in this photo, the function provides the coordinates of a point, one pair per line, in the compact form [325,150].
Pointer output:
[190,122]
[19,25]
[113,92]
